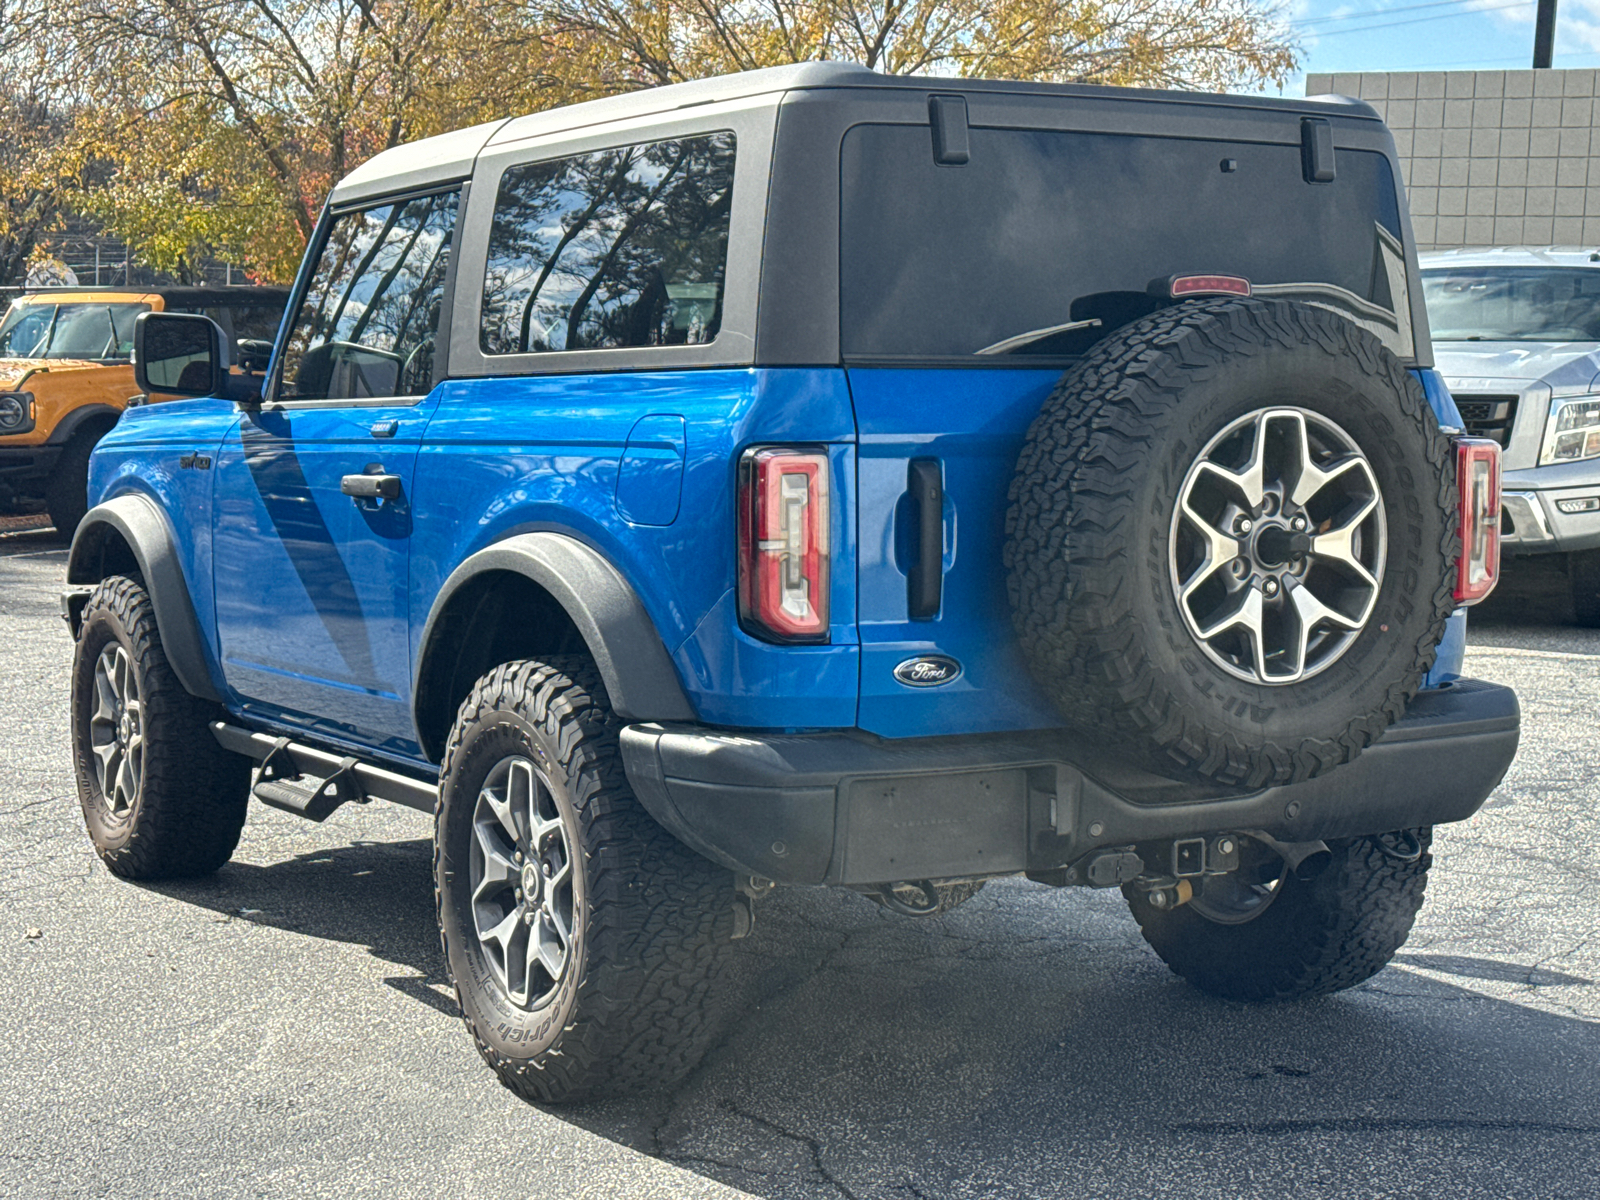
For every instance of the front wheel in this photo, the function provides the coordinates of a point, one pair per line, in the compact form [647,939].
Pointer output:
[160,797]
[582,938]
[1263,933]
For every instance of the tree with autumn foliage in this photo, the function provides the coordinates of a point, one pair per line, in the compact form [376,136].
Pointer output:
[214,128]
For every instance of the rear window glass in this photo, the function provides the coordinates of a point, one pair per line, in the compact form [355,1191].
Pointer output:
[1042,229]
[618,248]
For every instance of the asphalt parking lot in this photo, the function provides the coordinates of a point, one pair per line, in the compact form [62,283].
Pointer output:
[284,1029]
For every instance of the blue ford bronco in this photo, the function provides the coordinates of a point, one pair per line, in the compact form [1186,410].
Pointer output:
[813,477]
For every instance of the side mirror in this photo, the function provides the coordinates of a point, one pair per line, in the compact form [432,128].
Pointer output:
[179,354]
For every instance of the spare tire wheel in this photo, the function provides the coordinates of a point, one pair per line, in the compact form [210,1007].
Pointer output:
[1231,540]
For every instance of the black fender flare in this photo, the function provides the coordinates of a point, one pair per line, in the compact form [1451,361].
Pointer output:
[139,521]
[633,661]
[78,418]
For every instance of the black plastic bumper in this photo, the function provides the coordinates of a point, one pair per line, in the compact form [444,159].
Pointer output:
[24,470]
[849,808]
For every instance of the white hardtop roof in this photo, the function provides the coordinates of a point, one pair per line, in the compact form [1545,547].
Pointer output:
[1512,256]
[451,155]
[415,164]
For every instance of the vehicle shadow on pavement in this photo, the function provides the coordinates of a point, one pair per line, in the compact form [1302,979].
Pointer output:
[373,894]
[1028,1044]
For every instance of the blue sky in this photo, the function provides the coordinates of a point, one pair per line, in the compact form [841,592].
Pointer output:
[1441,35]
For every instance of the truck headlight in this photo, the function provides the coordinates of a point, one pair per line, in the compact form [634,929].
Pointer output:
[16,412]
[1573,432]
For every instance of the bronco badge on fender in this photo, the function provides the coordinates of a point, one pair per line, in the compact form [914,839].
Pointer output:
[927,670]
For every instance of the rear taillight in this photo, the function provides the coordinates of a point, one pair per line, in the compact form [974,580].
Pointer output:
[783,543]
[1478,478]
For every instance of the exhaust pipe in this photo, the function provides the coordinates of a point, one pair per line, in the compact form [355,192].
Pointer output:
[1306,860]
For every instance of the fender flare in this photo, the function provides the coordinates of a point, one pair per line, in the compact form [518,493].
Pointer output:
[140,523]
[77,419]
[640,679]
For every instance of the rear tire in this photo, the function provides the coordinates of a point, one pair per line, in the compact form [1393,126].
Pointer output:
[1583,574]
[66,496]
[160,797]
[595,975]
[1315,936]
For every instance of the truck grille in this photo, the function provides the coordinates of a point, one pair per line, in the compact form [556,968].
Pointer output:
[1488,416]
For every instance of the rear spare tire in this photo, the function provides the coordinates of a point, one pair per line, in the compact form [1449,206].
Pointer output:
[1231,540]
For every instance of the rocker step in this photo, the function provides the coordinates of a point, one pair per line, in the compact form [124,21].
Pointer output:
[304,796]
[311,782]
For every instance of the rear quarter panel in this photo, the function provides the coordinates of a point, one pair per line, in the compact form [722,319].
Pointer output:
[504,456]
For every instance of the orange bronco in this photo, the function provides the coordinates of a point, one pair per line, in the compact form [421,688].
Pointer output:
[66,374]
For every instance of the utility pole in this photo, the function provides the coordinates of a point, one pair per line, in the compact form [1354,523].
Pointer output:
[1544,35]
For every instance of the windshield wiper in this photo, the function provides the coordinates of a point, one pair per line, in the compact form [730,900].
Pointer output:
[1036,335]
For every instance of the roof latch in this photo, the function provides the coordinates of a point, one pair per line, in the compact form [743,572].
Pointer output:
[1316,150]
[948,116]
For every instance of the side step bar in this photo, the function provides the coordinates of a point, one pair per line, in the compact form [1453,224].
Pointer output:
[311,783]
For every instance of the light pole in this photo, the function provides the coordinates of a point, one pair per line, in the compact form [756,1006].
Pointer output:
[1544,34]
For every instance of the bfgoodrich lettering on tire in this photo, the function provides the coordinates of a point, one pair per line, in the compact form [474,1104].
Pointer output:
[582,938]
[1231,540]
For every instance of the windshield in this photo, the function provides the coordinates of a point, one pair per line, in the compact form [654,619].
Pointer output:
[1515,304]
[84,330]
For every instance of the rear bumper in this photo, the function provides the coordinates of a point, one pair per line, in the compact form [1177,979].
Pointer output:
[849,808]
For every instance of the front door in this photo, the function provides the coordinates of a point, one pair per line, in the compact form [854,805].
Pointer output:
[312,581]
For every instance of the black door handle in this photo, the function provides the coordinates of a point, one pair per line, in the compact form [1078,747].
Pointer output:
[371,487]
[925,581]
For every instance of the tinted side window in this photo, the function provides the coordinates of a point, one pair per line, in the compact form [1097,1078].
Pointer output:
[370,317]
[1042,229]
[617,248]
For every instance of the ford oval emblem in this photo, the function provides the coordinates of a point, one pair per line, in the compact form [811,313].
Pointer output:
[927,670]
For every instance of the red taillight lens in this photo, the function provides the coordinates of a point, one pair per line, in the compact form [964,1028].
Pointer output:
[783,543]
[1478,477]
[1207,285]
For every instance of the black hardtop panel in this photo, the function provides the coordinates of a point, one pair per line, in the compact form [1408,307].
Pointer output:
[798,314]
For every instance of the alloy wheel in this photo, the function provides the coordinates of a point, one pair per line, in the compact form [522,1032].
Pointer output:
[116,729]
[521,878]
[1277,545]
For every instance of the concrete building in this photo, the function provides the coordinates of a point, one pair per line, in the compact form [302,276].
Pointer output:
[1490,158]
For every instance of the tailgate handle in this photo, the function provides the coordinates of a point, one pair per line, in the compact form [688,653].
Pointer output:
[925,580]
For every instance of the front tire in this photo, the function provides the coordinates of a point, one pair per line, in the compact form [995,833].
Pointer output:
[1583,573]
[583,940]
[1311,937]
[160,797]
[66,496]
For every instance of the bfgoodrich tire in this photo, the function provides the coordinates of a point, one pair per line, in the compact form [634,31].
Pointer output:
[66,496]
[1249,626]
[1310,937]
[160,797]
[582,938]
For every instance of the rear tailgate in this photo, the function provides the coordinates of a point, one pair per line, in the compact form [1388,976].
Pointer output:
[1042,228]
